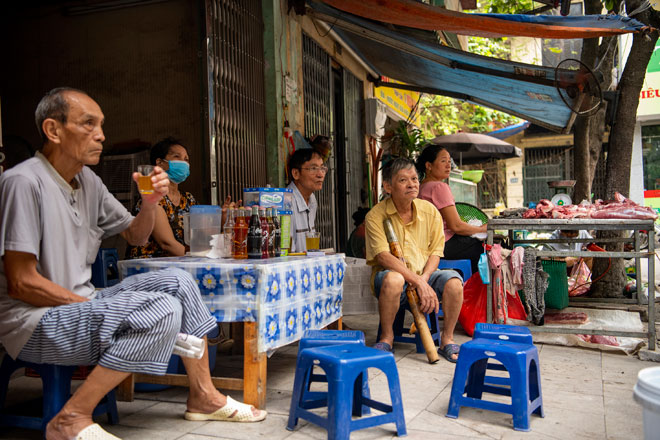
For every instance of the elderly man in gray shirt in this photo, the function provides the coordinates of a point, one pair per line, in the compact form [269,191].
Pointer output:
[54,211]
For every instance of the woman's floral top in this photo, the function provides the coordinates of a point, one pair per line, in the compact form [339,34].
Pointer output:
[174,216]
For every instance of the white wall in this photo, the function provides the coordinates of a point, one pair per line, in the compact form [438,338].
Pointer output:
[637,168]
[515,196]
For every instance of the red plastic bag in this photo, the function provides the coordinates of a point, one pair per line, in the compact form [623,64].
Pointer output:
[474,305]
[516,309]
[579,282]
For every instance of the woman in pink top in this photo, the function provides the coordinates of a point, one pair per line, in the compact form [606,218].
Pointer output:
[434,164]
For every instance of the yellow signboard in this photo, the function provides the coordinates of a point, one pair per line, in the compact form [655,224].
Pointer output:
[400,101]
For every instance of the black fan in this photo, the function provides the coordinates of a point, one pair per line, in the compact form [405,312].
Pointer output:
[578,87]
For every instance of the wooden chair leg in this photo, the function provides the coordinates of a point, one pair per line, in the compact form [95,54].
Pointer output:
[125,390]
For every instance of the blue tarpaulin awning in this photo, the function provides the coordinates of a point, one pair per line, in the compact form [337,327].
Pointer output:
[506,132]
[527,91]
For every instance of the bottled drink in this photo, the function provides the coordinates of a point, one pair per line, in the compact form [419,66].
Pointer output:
[240,236]
[271,236]
[277,234]
[228,232]
[264,233]
[254,234]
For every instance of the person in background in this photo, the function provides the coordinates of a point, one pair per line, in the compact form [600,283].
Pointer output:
[355,246]
[568,247]
[434,163]
[54,211]
[418,227]
[167,236]
[307,171]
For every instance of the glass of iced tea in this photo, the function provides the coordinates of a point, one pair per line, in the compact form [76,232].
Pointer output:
[144,181]
[312,240]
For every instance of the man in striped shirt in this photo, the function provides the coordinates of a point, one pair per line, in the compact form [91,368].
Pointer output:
[54,212]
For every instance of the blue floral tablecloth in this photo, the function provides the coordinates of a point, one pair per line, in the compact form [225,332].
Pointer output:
[286,295]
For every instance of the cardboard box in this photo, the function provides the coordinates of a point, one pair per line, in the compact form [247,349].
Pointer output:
[280,198]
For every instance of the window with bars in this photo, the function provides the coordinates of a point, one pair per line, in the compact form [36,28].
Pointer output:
[237,115]
[543,165]
[318,97]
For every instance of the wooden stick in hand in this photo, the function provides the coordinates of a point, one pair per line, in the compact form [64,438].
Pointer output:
[413,299]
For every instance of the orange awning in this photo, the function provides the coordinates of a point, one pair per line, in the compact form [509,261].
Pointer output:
[414,14]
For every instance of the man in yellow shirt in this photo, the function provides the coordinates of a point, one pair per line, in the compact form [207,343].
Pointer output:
[418,226]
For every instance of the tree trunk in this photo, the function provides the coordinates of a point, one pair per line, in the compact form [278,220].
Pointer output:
[619,154]
[588,143]
[588,133]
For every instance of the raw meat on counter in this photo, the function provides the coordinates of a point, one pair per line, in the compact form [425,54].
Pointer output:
[566,318]
[600,339]
[621,207]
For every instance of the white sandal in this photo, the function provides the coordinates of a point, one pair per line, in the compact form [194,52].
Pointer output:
[226,413]
[95,432]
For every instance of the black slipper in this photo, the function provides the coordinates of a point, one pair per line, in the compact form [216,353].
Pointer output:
[448,350]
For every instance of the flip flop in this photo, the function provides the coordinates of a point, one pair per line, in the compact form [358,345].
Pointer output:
[226,413]
[448,350]
[95,432]
[383,346]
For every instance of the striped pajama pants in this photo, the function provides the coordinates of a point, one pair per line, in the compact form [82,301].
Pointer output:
[128,327]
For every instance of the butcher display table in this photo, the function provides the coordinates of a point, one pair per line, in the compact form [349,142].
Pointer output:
[589,224]
[277,300]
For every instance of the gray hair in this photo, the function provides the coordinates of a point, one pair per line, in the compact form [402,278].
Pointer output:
[53,106]
[394,167]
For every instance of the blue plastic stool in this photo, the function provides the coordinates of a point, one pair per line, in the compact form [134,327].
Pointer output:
[462,266]
[503,332]
[523,384]
[321,338]
[105,272]
[56,381]
[400,331]
[344,366]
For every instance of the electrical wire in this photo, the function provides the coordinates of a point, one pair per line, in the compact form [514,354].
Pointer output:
[413,110]
[641,8]
[329,29]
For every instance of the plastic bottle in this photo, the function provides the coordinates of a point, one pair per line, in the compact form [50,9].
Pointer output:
[499,207]
[240,236]
[271,232]
[264,233]
[254,235]
[277,234]
[228,232]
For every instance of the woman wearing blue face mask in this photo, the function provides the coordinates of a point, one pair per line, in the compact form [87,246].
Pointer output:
[167,236]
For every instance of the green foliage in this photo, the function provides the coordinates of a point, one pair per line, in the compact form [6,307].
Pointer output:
[442,115]
[505,6]
[490,47]
[407,142]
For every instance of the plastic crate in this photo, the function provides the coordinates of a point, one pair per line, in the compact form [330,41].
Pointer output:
[556,297]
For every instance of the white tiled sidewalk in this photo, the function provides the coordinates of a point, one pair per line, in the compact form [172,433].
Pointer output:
[587,395]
